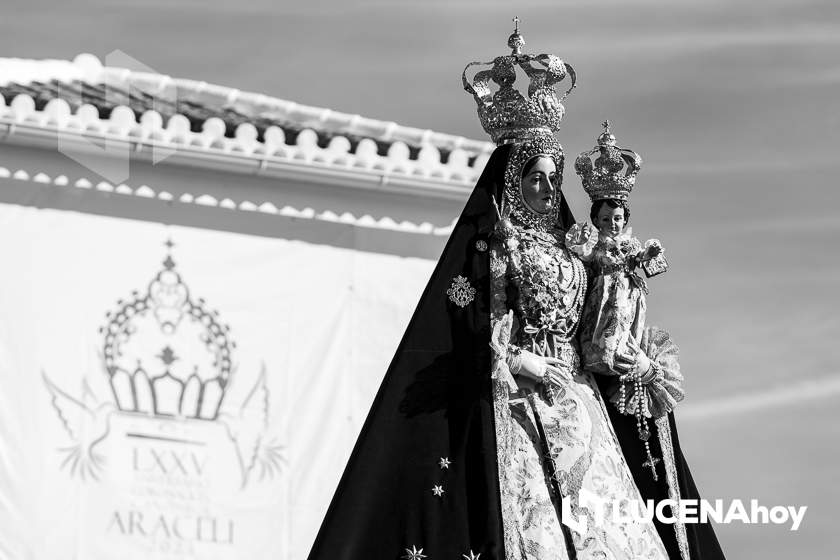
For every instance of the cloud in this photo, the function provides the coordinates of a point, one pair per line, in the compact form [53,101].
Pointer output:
[777,397]
[676,43]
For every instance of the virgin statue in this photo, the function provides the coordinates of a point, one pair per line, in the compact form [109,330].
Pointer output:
[487,440]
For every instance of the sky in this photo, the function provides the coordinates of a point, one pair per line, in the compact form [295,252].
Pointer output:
[734,107]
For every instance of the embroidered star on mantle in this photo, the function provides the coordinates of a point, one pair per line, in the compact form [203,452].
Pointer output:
[438,491]
[413,554]
[472,556]
[444,462]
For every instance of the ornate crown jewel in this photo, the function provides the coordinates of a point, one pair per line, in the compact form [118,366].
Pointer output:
[507,115]
[614,172]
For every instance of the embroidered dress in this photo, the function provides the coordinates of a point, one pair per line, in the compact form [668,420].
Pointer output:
[554,445]
[457,459]
[615,308]
[510,448]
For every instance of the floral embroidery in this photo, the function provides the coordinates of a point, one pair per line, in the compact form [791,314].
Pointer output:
[551,287]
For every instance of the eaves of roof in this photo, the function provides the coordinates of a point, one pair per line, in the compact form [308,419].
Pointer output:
[210,125]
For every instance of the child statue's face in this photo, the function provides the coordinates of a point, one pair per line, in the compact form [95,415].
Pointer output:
[610,221]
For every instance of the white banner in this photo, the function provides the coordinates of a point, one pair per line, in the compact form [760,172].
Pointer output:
[177,393]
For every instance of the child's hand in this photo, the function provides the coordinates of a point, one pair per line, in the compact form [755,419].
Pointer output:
[653,248]
[581,239]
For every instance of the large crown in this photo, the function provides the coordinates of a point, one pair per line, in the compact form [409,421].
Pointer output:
[507,115]
[166,354]
[614,172]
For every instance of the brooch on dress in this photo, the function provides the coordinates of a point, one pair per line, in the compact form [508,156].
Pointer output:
[461,293]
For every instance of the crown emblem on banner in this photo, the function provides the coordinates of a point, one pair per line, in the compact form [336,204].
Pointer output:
[614,171]
[166,354]
[507,115]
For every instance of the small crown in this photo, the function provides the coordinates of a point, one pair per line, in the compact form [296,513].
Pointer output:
[507,115]
[614,172]
[146,373]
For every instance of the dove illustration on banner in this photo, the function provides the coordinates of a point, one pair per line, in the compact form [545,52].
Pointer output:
[247,428]
[87,422]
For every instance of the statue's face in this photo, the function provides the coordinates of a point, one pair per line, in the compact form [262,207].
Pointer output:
[539,185]
[610,221]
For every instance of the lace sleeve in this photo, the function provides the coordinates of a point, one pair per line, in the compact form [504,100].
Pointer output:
[502,319]
[665,389]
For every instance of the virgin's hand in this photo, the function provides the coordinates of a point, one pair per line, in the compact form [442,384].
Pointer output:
[532,365]
[642,363]
[539,368]
[641,358]
[558,363]
[557,371]
[557,376]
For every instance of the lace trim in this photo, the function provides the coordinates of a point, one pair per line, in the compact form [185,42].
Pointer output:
[501,396]
[663,429]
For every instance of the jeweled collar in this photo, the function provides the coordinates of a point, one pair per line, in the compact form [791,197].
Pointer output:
[623,236]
